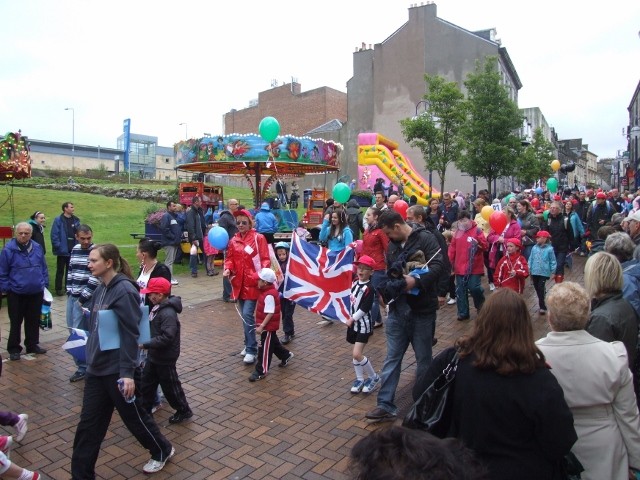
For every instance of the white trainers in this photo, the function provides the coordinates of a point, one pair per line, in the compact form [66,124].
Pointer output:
[21,427]
[370,384]
[154,466]
[249,359]
[452,301]
[243,352]
[174,282]
[492,287]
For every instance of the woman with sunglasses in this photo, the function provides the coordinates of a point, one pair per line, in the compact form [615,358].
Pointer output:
[247,254]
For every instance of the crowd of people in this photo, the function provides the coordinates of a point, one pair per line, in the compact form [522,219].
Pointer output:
[411,262]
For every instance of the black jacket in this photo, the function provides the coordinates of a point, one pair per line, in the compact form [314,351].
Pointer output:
[164,346]
[561,232]
[228,222]
[354,218]
[421,239]
[519,426]
[195,224]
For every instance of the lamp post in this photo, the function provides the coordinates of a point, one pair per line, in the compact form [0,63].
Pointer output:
[634,133]
[186,135]
[426,106]
[73,137]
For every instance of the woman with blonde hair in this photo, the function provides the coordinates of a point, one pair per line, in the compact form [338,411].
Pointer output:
[507,406]
[612,317]
[597,386]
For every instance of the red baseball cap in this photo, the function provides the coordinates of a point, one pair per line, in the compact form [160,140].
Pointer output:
[366,260]
[515,241]
[601,195]
[158,285]
[543,233]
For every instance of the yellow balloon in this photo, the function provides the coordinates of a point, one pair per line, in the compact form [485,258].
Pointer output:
[555,165]
[486,212]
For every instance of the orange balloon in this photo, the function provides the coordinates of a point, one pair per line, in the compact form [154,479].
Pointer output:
[486,212]
[555,165]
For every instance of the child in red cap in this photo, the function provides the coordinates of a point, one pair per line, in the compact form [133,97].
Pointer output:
[360,325]
[164,350]
[542,264]
[512,268]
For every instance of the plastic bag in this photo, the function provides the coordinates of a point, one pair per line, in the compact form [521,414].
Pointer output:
[45,311]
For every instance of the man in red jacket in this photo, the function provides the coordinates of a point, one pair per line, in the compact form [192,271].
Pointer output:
[466,257]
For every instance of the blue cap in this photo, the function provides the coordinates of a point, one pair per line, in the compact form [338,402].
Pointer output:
[284,245]
[265,207]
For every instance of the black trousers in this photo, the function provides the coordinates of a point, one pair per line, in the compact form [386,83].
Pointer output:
[62,267]
[101,396]
[287,307]
[167,377]
[24,308]
[269,345]
[539,283]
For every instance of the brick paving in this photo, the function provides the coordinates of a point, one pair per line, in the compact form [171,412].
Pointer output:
[299,422]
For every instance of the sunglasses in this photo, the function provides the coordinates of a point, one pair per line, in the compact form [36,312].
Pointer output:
[242,222]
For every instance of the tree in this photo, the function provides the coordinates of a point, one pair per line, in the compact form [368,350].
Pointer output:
[535,161]
[436,131]
[492,145]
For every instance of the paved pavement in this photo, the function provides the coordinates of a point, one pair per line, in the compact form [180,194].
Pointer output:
[299,422]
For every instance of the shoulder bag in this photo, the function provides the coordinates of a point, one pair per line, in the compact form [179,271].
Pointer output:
[432,410]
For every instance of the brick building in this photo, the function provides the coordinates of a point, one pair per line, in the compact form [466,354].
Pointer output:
[297,112]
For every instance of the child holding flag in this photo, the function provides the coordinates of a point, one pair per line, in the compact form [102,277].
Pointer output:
[267,316]
[360,325]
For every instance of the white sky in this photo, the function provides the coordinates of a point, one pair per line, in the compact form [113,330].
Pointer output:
[162,63]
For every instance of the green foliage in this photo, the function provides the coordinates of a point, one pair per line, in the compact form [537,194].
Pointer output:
[535,161]
[436,132]
[490,136]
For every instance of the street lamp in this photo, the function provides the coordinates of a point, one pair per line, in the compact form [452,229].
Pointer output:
[634,133]
[186,135]
[73,137]
[426,106]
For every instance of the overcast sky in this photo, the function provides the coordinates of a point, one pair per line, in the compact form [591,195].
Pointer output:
[164,63]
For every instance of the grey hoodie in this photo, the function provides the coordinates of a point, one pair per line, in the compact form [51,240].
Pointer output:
[121,296]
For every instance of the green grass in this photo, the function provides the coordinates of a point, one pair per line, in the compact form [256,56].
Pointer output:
[111,219]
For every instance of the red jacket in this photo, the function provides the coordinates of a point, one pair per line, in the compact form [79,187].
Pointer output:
[512,231]
[246,255]
[461,246]
[511,272]
[274,321]
[375,243]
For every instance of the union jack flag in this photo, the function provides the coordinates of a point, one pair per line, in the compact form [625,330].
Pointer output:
[318,279]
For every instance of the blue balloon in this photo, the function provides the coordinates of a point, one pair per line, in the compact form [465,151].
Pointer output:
[539,190]
[218,238]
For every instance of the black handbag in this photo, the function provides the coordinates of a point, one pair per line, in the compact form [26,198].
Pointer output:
[432,410]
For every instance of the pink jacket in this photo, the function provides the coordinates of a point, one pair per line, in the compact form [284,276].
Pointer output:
[246,255]
[513,231]
[460,248]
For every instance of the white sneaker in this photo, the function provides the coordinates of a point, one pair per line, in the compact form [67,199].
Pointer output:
[243,352]
[21,427]
[154,466]
[174,282]
[249,359]
[452,301]
[322,323]
[492,287]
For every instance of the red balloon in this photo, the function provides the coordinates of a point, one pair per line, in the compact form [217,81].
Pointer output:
[401,207]
[535,203]
[498,221]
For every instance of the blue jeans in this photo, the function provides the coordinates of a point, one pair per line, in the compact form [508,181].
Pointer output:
[472,284]
[400,333]
[193,263]
[75,319]
[376,279]
[247,307]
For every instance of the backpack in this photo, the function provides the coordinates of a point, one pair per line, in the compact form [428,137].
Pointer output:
[606,202]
